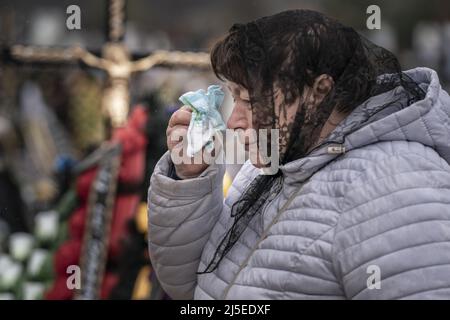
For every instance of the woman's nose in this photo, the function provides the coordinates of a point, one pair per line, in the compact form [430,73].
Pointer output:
[238,118]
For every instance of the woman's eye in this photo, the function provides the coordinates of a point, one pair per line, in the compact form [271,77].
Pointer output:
[243,101]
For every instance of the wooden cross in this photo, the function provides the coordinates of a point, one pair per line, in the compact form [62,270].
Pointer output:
[115,61]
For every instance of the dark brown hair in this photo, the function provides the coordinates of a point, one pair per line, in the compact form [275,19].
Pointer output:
[227,62]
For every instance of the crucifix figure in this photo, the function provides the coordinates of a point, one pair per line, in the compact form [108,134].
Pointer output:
[115,60]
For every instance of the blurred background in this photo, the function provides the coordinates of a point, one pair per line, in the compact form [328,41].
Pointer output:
[64,167]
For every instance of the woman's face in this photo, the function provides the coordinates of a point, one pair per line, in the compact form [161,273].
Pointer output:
[310,99]
[241,118]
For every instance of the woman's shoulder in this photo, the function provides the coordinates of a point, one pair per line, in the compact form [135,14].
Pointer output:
[394,173]
[392,156]
[387,170]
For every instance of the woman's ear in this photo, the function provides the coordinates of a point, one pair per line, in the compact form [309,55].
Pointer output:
[321,87]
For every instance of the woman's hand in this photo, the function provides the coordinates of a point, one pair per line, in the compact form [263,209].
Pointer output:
[176,138]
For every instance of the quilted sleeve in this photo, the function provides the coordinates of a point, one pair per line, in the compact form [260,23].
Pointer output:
[182,214]
[392,240]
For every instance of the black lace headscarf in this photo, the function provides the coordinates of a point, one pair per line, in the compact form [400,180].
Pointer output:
[287,51]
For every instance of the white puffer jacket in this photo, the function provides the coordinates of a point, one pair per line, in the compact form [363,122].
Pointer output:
[384,205]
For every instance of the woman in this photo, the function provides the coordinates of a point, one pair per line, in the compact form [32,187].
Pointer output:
[360,207]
